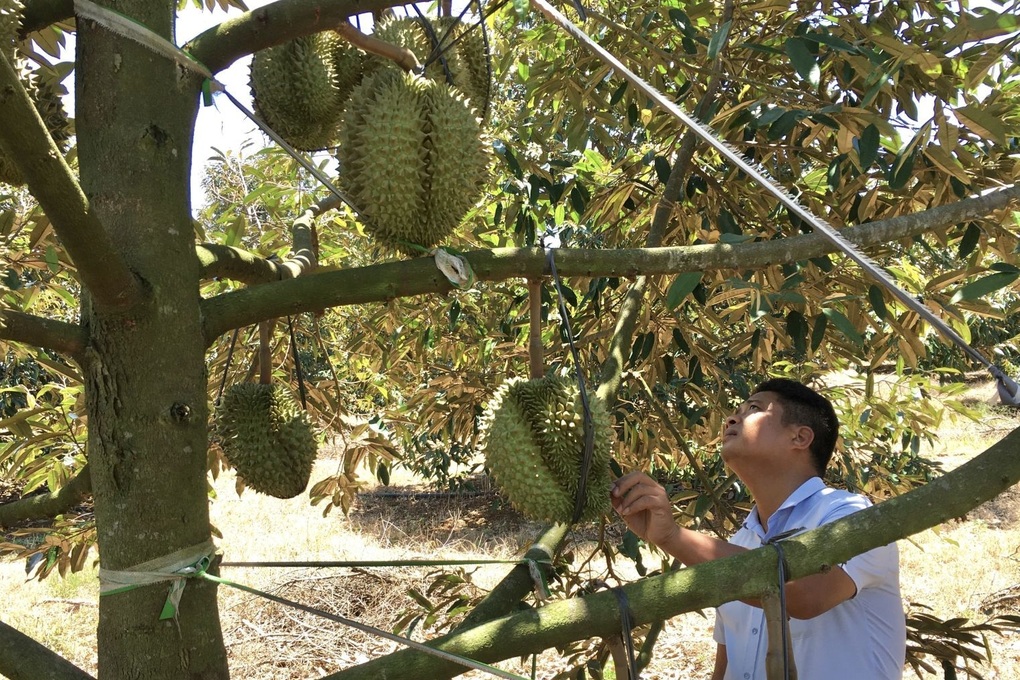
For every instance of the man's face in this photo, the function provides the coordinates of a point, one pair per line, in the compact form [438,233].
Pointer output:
[756,431]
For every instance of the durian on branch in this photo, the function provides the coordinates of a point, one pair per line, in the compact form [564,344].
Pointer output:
[419,276]
[27,143]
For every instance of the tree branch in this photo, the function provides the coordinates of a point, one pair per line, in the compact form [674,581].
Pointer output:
[712,583]
[27,142]
[419,276]
[273,24]
[48,505]
[22,658]
[37,331]
[39,14]
[226,262]
[502,599]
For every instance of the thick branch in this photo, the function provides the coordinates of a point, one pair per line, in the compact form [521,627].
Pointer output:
[383,282]
[39,14]
[710,584]
[28,144]
[22,658]
[37,331]
[273,24]
[47,505]
[226,262]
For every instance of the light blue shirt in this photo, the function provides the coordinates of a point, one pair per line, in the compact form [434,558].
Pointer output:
[861,638]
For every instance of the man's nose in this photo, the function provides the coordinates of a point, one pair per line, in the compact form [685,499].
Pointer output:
[732,420]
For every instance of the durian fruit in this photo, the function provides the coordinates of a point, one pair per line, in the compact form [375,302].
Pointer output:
[411,158]
[346,62]
[45,95]
[294,90]
[475,81]
[267,438]
[533,437]
[10,24]
[463,65]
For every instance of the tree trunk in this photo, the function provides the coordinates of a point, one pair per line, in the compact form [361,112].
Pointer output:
[144,368]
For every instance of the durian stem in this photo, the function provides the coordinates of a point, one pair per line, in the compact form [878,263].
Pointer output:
[265,352]
[403,57]
[535,349]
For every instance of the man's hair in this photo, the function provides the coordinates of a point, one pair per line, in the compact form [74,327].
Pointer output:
[803,406]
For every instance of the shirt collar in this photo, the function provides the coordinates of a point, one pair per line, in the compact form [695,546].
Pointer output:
[777,521]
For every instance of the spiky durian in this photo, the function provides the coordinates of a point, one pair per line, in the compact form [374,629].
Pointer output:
[266,436]
[411,158]
[533,434]
[459,62]
[475,78]
[10,24]
[294,90]
[346,62]
[45,95]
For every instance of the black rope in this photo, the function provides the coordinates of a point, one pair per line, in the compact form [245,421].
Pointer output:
[297,365]
[775,543]
[226,367]
[627,632]
[438,51]
[589,428]
[426,26]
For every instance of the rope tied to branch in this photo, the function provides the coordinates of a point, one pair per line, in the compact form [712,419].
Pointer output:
[550,242]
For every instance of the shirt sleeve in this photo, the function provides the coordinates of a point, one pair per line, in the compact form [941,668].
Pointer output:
[717,632]
[875,567]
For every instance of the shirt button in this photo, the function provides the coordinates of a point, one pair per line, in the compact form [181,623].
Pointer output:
[754,631]
[746,676]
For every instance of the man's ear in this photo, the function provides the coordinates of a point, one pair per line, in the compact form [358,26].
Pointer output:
[803,436]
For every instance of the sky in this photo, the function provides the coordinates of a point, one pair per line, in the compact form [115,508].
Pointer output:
[221,126]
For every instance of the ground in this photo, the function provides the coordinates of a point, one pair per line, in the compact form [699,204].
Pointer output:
[967,568]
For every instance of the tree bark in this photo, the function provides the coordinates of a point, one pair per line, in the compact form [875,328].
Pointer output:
[712,583]
[22,658]
[144,367]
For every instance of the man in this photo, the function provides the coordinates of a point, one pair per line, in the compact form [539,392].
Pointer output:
[847,623]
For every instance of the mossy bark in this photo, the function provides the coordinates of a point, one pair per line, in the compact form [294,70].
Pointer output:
[144,367]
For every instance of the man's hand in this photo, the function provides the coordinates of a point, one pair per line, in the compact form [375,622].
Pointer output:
[644,505]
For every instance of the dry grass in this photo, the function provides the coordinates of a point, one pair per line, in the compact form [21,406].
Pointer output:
[970,568]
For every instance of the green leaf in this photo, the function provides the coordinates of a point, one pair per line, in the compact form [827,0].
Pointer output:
[867,146]
[902,170]
[803,59]
[718,40]
[970,239]
[797,329]
[843,325]
[982,123]
[877,301]
[682,286]
[52,259]
[521,7]
[985,285]
[728,225]
[662,169]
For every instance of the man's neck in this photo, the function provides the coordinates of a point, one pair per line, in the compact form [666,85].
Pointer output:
[770,494]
